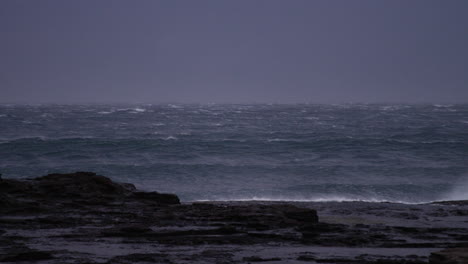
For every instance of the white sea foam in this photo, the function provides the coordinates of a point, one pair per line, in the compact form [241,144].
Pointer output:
[124,109]
[138,109]
[459,191]
[283,140]
[442,105]
[215,157]
[316,199]
[132,110]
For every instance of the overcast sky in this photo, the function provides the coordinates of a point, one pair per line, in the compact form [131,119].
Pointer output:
[237,51]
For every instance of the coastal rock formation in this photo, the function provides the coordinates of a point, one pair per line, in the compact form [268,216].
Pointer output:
[450,256]
[6,201]
[79,188]
[82,185]
[73,185]
[87,218]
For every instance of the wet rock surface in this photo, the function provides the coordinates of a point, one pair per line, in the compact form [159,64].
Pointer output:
[86,218]
[450,256]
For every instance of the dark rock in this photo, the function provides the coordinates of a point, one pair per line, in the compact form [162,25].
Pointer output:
[129,231]
[459,212]
[27,256]
[449,256]
[212,256]
[257,226]
[159,198]
[74,191]
[227,230]
[146,258]
[301,214]
[91,209]
[306,258]
[457,202]
[322,228]
[201,232]
[14,186]
[81,184]
[259,259]
[339,260]
[6,201]
[135,229]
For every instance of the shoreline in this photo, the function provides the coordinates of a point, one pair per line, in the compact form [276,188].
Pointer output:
[446,202]
[87,218]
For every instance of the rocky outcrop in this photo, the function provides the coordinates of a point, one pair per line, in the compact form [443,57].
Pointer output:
[159,198]
[87,218]
[6,201]
[81,184]
[27,255]
[80,188]
[450,256]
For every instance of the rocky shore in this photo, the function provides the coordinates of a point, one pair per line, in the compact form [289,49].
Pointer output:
[86,218]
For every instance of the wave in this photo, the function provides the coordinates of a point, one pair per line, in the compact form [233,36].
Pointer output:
[391,108]
[407,141]
[33,139]
[458,192]
[174,106]
[250,152]
[129,110]
[317,199]
[442,105]
[283,140]
[206,140]
[139,110]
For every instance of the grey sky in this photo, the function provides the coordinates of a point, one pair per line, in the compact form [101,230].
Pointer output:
[234,51]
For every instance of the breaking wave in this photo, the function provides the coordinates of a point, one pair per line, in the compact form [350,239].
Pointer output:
[374,153]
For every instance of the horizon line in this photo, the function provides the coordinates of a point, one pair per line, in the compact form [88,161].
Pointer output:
[236,103]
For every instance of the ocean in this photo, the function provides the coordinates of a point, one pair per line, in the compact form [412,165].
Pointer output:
[298,152]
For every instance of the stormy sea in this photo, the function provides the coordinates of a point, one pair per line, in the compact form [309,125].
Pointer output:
[223,152]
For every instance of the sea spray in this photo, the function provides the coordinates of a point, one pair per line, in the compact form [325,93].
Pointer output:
[458,192]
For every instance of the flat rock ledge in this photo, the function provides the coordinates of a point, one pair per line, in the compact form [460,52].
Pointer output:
[87,218]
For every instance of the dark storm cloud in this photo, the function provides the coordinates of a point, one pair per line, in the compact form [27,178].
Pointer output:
[233,51]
